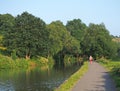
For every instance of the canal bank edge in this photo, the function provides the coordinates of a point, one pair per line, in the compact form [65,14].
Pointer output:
[70,82]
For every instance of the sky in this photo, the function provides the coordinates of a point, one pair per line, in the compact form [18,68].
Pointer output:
[89,11]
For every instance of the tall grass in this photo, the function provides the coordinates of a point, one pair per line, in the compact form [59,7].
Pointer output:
[8,63]
[21,63]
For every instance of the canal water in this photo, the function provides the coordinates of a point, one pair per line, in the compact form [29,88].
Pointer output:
[37,79]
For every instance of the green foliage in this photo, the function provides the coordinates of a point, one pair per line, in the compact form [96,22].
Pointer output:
[69,60]
[1,45]
[61,42]
[6,62]
[72,46]
[117,41]
[9,63]
[98,42]
[103,60]
[41,61]
[13,55]
[51,61]
[76,28]
[27,37]
[57,36]
[21,63]
[6,23]
[30,37]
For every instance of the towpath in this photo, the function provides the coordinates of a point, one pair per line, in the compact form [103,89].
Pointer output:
[96,79]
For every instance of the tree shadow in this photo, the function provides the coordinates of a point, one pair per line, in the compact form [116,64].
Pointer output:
[107,86]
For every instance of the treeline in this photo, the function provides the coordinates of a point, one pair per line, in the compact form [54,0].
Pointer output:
[27,36]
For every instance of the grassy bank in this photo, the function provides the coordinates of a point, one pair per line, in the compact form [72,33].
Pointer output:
[70,82]
[21,63]
[113,66]
[8,63]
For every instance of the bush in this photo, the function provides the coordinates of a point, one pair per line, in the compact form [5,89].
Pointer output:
[51,61]
[13,55]
[69,60]
[9,63]
[41,61]
[103,60]
[6,62]
[21,63]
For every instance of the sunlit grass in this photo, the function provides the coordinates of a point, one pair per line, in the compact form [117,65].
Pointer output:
[22,63]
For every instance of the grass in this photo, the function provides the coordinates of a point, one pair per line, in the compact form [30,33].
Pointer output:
[113,66]
[70,82]
[21,63]
[8,63]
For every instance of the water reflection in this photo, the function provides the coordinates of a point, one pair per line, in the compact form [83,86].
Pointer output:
[37,79]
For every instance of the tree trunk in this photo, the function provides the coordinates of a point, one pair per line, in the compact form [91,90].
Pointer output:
[27,57]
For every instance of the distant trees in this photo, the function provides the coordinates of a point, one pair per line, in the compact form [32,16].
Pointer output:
[94,40]
[116,39]
[97,42]
[29,36]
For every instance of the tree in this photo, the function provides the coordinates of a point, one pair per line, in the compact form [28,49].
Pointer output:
[76,28]
[6,23]
[97,41]
[29,36]
[61,42]
[56,33]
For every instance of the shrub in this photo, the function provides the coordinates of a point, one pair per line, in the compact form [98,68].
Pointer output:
[69,60]
[21,63]
[6,62]
[41,61]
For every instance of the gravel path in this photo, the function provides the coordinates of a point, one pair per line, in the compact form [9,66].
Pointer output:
[96,79]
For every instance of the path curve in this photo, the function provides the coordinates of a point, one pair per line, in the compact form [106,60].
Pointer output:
[96,79]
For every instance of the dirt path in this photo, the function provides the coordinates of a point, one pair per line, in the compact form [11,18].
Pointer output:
[96,79]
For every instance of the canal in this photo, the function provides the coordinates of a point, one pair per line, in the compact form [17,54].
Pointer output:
[37,79]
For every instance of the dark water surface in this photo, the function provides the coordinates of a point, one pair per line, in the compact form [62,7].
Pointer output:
[37,79]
